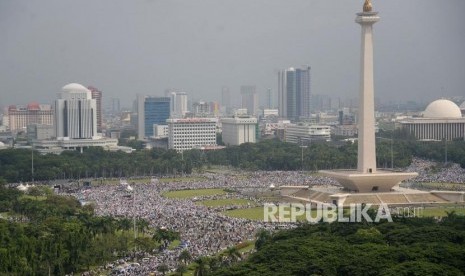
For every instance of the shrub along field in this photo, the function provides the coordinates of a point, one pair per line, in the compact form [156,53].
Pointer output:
[413,246]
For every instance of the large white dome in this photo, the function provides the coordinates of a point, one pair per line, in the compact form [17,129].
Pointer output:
[442,109]
[74,87]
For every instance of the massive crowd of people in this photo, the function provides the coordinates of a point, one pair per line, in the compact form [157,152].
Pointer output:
[429,171]
[205,230]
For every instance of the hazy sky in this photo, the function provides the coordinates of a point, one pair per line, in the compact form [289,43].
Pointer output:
[125,47]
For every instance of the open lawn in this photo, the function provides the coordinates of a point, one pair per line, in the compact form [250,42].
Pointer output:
[225,202]
[193,193]
[437,185]
[34,197]
[181,179]
[441,211]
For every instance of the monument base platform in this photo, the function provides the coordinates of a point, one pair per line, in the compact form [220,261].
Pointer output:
[400,197]
[379,181]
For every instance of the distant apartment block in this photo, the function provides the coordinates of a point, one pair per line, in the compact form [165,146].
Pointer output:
[97,96]
[345,130]
[249,99]
[20,116]
[305,133]
[160,131]
[205,109]
[40,132]
[178,104]
[185,134]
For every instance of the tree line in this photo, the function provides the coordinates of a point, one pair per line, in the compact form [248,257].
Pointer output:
[393,150]
[407,246]
[46,234]
[55,235]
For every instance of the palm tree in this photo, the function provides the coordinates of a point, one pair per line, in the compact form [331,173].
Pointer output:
[181,269]
[185,256]
[202,266]
[163,268]
[165,234]
[262,236]
[232,254]
[124,224]
[143,225]
[215,263]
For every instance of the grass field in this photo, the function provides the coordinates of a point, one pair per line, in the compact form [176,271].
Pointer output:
[435,185]
[193,193]
[225,202]
[181,179]
[34,197]
[441,211]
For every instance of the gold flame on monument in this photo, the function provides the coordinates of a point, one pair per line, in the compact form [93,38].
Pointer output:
[367,6]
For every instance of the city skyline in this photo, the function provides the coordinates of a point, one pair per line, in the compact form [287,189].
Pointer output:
[155,45]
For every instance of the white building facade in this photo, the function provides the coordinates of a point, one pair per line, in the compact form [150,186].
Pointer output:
[239,130]
[303,133]
[18,117]
[190,133]
[160,131]
[75,113]
[178,104]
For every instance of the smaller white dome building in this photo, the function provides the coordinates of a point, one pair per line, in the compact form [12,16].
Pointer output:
[442,109]
[74,87]
[442,119]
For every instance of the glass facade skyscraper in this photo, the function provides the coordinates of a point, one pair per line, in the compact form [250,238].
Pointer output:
[156,111]
[294,93]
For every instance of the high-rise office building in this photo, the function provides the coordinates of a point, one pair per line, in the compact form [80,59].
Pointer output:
[178,104]
[75,113]
[226,99]
[269,99]
[294,93]
[97,96]
[115,105]
[249,99]
[151,111]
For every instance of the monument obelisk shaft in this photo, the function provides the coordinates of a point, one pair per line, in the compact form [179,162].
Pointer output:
[366,117]
[367,178]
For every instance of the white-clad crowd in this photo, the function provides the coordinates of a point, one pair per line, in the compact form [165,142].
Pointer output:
[204,229]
